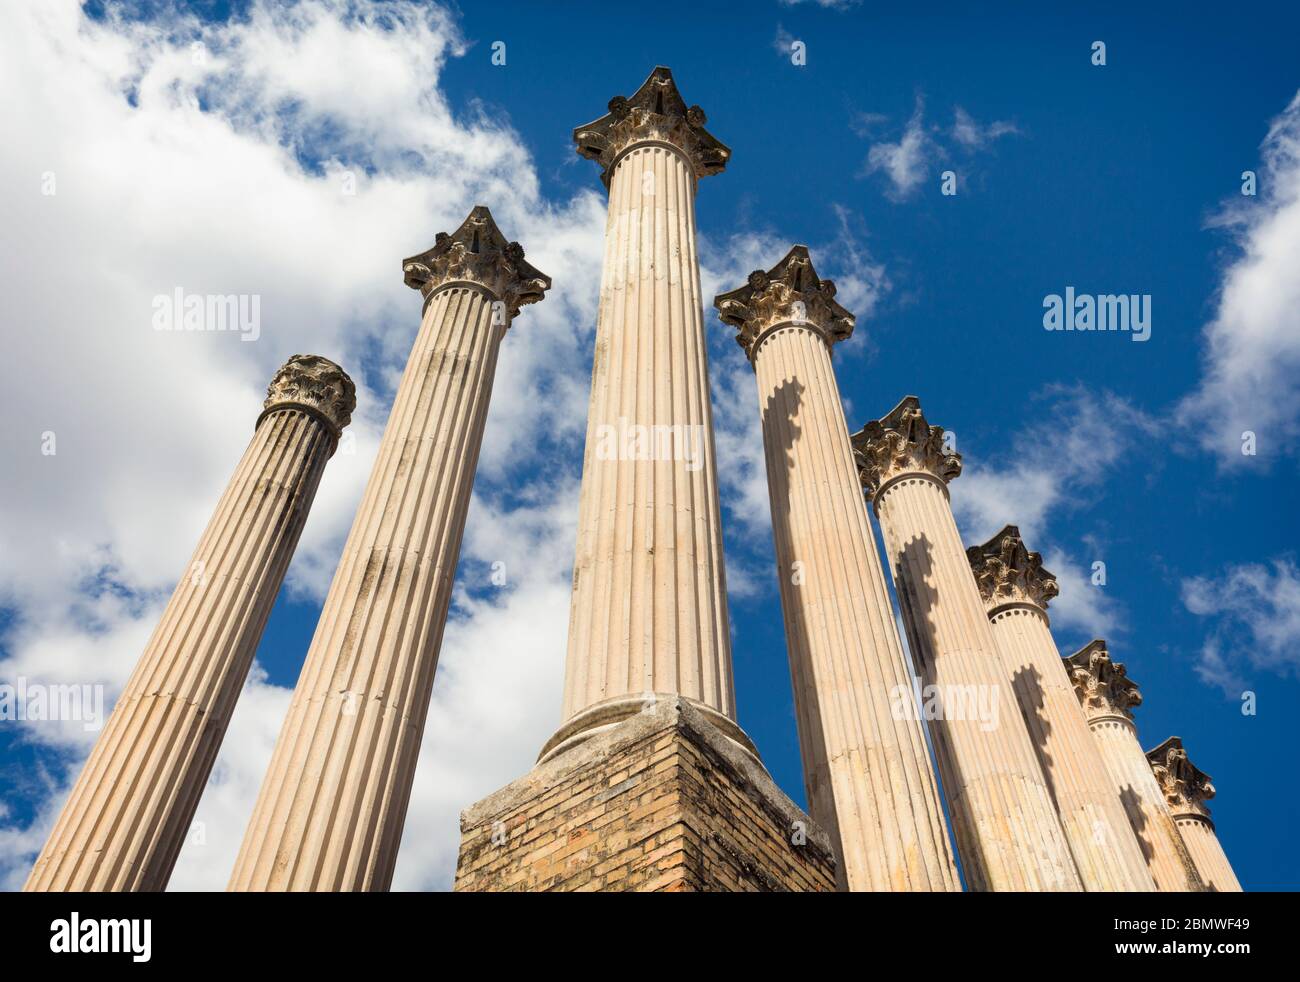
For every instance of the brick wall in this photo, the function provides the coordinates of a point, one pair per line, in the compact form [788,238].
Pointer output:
[663,802]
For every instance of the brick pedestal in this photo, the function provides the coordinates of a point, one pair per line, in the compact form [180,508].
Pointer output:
[660,802]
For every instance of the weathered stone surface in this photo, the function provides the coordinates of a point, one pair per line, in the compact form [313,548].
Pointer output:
[1107,696]
[661,802]
[655,113]
[790,295]
[131,808]
[1186,789]
[314,384]
[901,444]
[1006,572]
[331,809]
[867,770]
[1008,833]
[1016,590]
[649,605]
[477,253]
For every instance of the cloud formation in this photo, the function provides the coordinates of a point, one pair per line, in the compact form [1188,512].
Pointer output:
[156,129]
[241,158]
[1053,466]
[907,162]
[1251,373]
[1253,613]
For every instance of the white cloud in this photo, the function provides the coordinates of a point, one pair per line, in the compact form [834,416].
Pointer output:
[975,136]
[500,678]
[209,852]
[1251,374]
[905,163]
[1254,612]
[860,281]
[1055,464]
[783,43]
[865,124]
[1081,608]
[154,192]
[742,468]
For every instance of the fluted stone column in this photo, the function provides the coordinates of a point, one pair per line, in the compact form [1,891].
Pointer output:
[649,609]
[866,769]
[330,812]
[1016,590]
[130,810]
[1186,789]
[1008,834]
[1107,696]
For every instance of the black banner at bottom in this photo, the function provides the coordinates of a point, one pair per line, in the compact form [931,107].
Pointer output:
[302,931]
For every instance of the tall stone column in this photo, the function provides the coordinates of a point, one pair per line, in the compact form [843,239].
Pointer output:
[866,769]
[649,610]
[130,810]
[1016,590]
[1186,789]
[1008,834]
[330,812]
[1107,696]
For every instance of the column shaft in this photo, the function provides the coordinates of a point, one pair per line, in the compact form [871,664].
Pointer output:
[333,803]
[1008,834]
[867,769]
[1207,853]
[132,806]
[1105,849]
[1166,854]
[1184,791]
[649,610]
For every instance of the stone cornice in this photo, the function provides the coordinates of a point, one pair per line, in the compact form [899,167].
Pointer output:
[478,253]
[1006,572]
[1185,786]
[1103,686]
[655,113]
[902,442]
[316,385]
[790,292]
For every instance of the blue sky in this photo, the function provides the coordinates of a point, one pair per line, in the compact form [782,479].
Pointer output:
[1122,178]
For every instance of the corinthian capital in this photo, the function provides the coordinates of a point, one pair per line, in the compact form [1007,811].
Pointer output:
[899,443]
[315,384]
[1185,786]
[790,292]
[1006,572]
[655,113]
[1102,685]
[477,252]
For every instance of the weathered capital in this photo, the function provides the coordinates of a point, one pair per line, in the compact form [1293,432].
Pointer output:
[1185,786]
[656,113]
[899,443]
[790,293]
[1103,686]
[1007,573]
[316,384]
[477,252]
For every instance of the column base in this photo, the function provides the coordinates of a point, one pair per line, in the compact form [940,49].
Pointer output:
[662,801]
[604,716]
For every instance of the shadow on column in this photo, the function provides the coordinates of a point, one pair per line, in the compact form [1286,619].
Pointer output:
[914,583]
[1027,684]
[1138,819]
[781,433]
